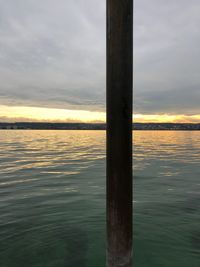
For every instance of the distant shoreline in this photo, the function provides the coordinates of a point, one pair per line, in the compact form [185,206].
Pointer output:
[96,126]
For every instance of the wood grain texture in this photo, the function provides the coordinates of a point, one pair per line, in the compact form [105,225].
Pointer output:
[119,132]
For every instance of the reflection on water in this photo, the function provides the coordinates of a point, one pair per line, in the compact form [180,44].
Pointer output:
[52,199]
[167,211]
[52,204]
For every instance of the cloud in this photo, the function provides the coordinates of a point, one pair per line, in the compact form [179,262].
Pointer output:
[171,101]
[166,53]
[52,54]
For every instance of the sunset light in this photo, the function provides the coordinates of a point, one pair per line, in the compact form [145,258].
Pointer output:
[164,118]
[18,113]
[24,113]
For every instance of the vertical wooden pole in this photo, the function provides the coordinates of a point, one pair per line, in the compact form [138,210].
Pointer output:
[119,132]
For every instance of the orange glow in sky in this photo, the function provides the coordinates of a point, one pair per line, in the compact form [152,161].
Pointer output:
[22,113]
[167,118]
[17,113]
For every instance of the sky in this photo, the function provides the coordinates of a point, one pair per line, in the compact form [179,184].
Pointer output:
[53,64]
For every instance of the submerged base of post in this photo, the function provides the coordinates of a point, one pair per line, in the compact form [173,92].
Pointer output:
[119,262]
[119,132]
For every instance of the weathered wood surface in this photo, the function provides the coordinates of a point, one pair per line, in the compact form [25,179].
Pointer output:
[119,132]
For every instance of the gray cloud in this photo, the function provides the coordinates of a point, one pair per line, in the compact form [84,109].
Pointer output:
[52,54]
[166,57]
[172,101]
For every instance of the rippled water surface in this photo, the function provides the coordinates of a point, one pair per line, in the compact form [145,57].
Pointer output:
[52,199]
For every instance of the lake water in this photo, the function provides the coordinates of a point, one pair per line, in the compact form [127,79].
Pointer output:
[52,199]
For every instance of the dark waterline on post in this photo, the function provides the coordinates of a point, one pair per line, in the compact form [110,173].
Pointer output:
[119,132]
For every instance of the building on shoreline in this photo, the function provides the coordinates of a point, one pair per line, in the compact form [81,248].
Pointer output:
[97,126]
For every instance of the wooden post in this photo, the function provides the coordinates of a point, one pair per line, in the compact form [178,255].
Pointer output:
[119,132]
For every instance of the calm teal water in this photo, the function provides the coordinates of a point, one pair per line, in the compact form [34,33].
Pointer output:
[52,199]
